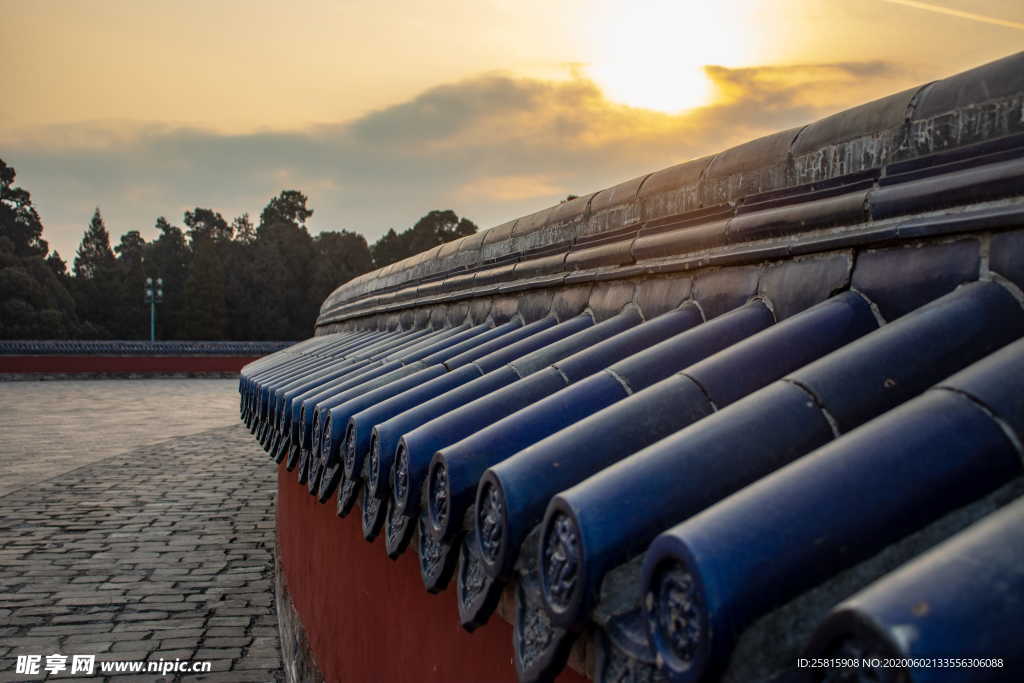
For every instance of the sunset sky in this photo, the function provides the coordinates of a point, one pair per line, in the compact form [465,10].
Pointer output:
[380,112]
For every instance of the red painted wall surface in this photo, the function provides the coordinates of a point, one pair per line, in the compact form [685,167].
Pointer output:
[139,364]
[369,618]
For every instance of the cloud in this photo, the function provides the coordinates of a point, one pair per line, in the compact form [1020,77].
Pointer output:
[783,88]
[492,148]
[507,188]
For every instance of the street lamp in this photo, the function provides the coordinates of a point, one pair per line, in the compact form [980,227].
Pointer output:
[154,295]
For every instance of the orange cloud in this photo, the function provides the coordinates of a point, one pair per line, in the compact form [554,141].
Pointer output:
[491,148]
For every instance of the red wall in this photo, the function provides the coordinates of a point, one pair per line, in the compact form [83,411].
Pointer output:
[368,618]
[139,364]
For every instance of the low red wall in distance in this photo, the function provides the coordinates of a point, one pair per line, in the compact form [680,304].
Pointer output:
[121,364]
[368,618]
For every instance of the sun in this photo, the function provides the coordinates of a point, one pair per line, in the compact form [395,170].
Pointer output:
[623,80]
[651,53]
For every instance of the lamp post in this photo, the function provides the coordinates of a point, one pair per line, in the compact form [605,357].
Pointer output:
[154,295]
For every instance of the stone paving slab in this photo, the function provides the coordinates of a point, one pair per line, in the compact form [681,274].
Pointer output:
[51,427]
[164,551]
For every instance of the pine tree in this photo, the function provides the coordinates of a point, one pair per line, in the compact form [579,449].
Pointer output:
[94,257]
[96,286]
[58,265]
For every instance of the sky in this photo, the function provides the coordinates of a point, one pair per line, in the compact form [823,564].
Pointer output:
[380,112]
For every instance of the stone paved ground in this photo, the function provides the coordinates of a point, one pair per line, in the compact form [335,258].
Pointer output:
[51,427]
[164,551]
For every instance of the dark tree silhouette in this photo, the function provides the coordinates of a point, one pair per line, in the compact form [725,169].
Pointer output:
[437,227]
[340,256]
[96,286]
[388,249]
[94,255]
[204,308]
[19,221]
[221,279]
[59,266]
[285,249]
[34,299]
[168,257]
[207,223]
[132,319]
[287,207]
[243,229]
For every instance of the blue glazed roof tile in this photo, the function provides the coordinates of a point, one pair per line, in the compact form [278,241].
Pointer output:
[701,458]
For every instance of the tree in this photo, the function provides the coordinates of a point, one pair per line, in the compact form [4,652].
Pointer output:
[287,207]
[259,309]
[242,290]
[56,317]
[33,303]
[437,227]
[220,279]
[19,221]
[204,308]
[96,285]
[388,249]
[58,265]
[207,223]
[131,319]
[34,300]
[168,257]
[340,256]
[243,229]
[285,256]
[94,257]
[131,248]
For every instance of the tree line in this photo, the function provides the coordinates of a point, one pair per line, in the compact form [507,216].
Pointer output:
[222,279]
